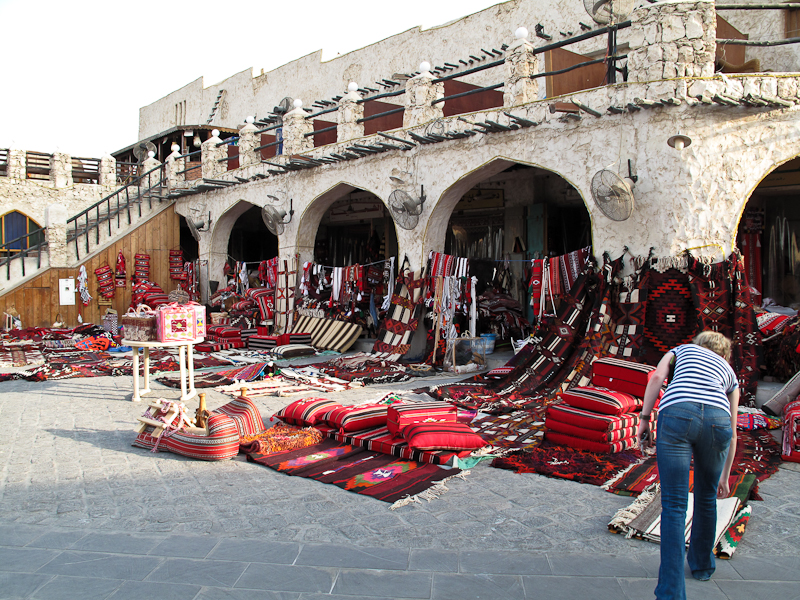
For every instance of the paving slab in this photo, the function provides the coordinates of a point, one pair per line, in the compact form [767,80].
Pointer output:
[78,502]
[70,588]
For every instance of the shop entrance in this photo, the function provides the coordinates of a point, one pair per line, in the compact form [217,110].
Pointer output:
[768,237]
[520,213]
[250,241]
[356,229]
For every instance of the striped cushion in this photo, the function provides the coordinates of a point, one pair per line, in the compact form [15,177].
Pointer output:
[221,443]
[223,331]
[308,411]
[402,415]
[245,414]
[586,419]
[590,434]
[327,334]
[380,440]
[442,436]
[621,375]
[356,418]
[300,338]
[577,443]
[601,400]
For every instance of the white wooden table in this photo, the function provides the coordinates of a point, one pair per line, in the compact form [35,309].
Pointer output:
[187,383]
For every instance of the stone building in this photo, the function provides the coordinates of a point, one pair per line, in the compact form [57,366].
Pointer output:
[492,121]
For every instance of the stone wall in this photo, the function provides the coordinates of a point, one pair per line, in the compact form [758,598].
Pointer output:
[684,198]
[32,197]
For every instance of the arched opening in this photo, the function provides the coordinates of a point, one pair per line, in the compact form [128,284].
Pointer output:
[250,240]
[356,229]
[768,237]
[15,232]
[517,212]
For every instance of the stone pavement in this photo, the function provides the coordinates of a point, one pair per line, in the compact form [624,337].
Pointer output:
[85,515]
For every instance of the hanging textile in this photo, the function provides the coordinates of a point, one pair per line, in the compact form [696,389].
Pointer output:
[571,265]
[746,336]
[119,272]
[750,244]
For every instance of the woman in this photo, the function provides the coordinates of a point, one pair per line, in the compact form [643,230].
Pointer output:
[696,418]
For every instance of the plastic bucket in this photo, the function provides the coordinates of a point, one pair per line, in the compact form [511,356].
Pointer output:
[489,343]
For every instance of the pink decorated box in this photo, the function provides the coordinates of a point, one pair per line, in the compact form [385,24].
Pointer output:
[176,323]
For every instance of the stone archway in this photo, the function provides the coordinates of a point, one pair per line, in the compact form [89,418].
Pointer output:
[320,210]
[216,249]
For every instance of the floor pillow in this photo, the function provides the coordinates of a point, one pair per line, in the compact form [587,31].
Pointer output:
[355,418]
[307,411]
[601,400]
[442,436]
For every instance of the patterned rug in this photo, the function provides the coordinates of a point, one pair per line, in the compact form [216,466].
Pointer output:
[358,470]
[757,452]
[280,438]
[20,355]
[517,430]
[670,317]
[201,380]
[564,463]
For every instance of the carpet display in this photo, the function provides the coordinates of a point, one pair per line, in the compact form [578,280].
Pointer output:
[642,519]
[566,463]
[523,429]
[670,316]
[756,452]
[20,355]
[359,470]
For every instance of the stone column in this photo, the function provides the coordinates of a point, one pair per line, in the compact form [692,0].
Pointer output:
[55,219]
[175,163]
[350,111]
[248,142]
[61,169]
[420,93]
[16,164]
[672,39]
[150,180]
[295,126]
[210,155]
[108,171]
[521,63]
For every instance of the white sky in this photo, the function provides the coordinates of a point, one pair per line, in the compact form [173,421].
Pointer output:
[74,74]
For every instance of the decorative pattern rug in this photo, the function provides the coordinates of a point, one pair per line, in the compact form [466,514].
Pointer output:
[516,430]
[20,355]
[280,438]
[756,452]
[564,463]
[358,470]
[670,317]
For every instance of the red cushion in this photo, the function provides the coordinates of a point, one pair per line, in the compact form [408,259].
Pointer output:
[587,419]
[442,436]
[355,418]
[402,415]
[601,400]
[223,331]
[589,434]
[577,443]
[308,411]
[222,441]
[621,375]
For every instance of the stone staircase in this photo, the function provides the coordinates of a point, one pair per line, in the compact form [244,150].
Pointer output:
[70,243]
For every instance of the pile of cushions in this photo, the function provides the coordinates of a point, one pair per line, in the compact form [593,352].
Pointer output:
[602,417]
[423,426]
[148,293]
[221,337]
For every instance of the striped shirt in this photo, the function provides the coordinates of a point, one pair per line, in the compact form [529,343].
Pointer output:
[700,376]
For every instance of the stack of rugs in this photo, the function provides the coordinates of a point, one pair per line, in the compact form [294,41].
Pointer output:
[602,417]
[221,337]
[148,293]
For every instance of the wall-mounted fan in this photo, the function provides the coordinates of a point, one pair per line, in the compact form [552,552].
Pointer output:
[613,194]
[284,106]
[195,227]
[606,11]
[142,149]
[274,217]
[405,208]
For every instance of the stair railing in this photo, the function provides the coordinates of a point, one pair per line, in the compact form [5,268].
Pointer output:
[146,186]
[21,247]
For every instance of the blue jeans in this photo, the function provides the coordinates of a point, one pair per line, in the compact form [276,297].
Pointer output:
[686,430]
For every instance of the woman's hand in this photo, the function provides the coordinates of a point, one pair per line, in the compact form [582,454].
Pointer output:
[723,490]
[644,435]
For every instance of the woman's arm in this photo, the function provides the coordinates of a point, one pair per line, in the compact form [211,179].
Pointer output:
[650,397]
[723,489]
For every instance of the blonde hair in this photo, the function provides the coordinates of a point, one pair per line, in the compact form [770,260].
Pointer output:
[714,341]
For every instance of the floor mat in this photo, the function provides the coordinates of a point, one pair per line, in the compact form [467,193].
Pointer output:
[565,463]
[516,430]
[358,470]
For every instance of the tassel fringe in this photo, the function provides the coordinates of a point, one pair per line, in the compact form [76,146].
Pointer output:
[623,517]
[432,493]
